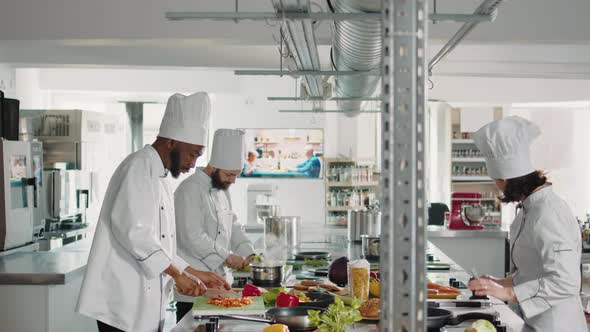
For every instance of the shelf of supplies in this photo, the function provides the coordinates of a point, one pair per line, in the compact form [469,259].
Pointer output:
[494,214]
[468,160]
[266,143]
[488,199]
[471,178]
[314,142]
[344,208]
[353,184]
[463,141]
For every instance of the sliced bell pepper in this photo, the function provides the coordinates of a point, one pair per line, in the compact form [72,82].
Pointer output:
[287,300]
[250,290]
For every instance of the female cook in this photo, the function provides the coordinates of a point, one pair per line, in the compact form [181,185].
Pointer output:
[545,241]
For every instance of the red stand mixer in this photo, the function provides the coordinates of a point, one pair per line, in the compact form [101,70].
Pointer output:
[466,211]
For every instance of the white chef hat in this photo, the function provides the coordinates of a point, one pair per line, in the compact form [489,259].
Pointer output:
[228,149]
[187,118]
[505,144]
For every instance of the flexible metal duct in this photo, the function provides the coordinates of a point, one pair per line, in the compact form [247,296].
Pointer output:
[301,41]
[357,46]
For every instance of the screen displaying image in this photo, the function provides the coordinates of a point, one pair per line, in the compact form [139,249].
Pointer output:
[284,153]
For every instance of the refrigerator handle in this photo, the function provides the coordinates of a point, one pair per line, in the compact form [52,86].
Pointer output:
[33,182]
[79,193]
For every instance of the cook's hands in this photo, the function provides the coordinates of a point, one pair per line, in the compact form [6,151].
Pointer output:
[506,282]
[249,259]
[211,279]
[184,284]
[235,262]
[485,286]
[188,286]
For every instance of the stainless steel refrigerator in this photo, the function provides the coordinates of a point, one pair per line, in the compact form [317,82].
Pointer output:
[90,142]
[21,181]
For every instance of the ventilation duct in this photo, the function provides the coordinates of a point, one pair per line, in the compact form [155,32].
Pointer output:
[301,41]
[357,47]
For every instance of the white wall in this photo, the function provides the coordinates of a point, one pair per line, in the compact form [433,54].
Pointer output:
[7,80]
[249,109]
[563,151]
[438,152]
[237,102]
[507,90]
[357,136]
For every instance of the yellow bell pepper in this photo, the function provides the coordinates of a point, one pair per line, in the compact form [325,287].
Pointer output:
[276,328]
[374,287]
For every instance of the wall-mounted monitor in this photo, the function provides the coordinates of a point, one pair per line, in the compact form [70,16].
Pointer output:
[284,153]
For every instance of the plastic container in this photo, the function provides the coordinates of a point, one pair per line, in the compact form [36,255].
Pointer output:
[358,279]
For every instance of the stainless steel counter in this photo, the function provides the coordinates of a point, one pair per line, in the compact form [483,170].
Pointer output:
[65,233]
[444,232]
[509,319]
[190,324]
[45,267]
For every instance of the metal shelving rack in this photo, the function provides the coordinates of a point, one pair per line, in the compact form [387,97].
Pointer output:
[403,197]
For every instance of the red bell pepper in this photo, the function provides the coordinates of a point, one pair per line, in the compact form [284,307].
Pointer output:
[374,275]
[250,290]
[287,300]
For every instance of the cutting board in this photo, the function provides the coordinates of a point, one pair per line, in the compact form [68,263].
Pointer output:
[201,308]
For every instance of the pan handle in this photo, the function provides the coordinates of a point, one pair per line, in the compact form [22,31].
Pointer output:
[248,318]
[470,315]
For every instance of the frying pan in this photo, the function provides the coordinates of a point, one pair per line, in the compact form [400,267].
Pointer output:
[319,300]
[296,318]
[438,318]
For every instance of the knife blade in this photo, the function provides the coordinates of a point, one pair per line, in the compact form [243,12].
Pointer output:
[459,304]
[213,293]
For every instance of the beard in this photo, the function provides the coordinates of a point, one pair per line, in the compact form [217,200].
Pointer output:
[217,183]
[174,163]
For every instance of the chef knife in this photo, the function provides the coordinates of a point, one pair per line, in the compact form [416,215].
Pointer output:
[213,293]
[459,304]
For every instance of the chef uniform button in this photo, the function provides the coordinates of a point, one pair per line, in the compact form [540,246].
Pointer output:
[161,208]
[163,236]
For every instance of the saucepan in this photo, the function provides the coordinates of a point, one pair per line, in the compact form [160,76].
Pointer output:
[265,275]
[438,318]
[296,318]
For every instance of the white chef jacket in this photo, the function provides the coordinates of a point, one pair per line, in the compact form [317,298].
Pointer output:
[545,247]
[208,231]
[124,285]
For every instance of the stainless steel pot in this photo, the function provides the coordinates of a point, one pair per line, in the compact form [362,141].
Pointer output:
[370,246]
[363,222]
[282,233]
[267,274]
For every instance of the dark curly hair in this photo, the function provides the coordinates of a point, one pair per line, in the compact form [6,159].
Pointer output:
[519,188]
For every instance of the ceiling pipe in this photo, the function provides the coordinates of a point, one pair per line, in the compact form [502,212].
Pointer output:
[301,41]
[487,7]
[315,16]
